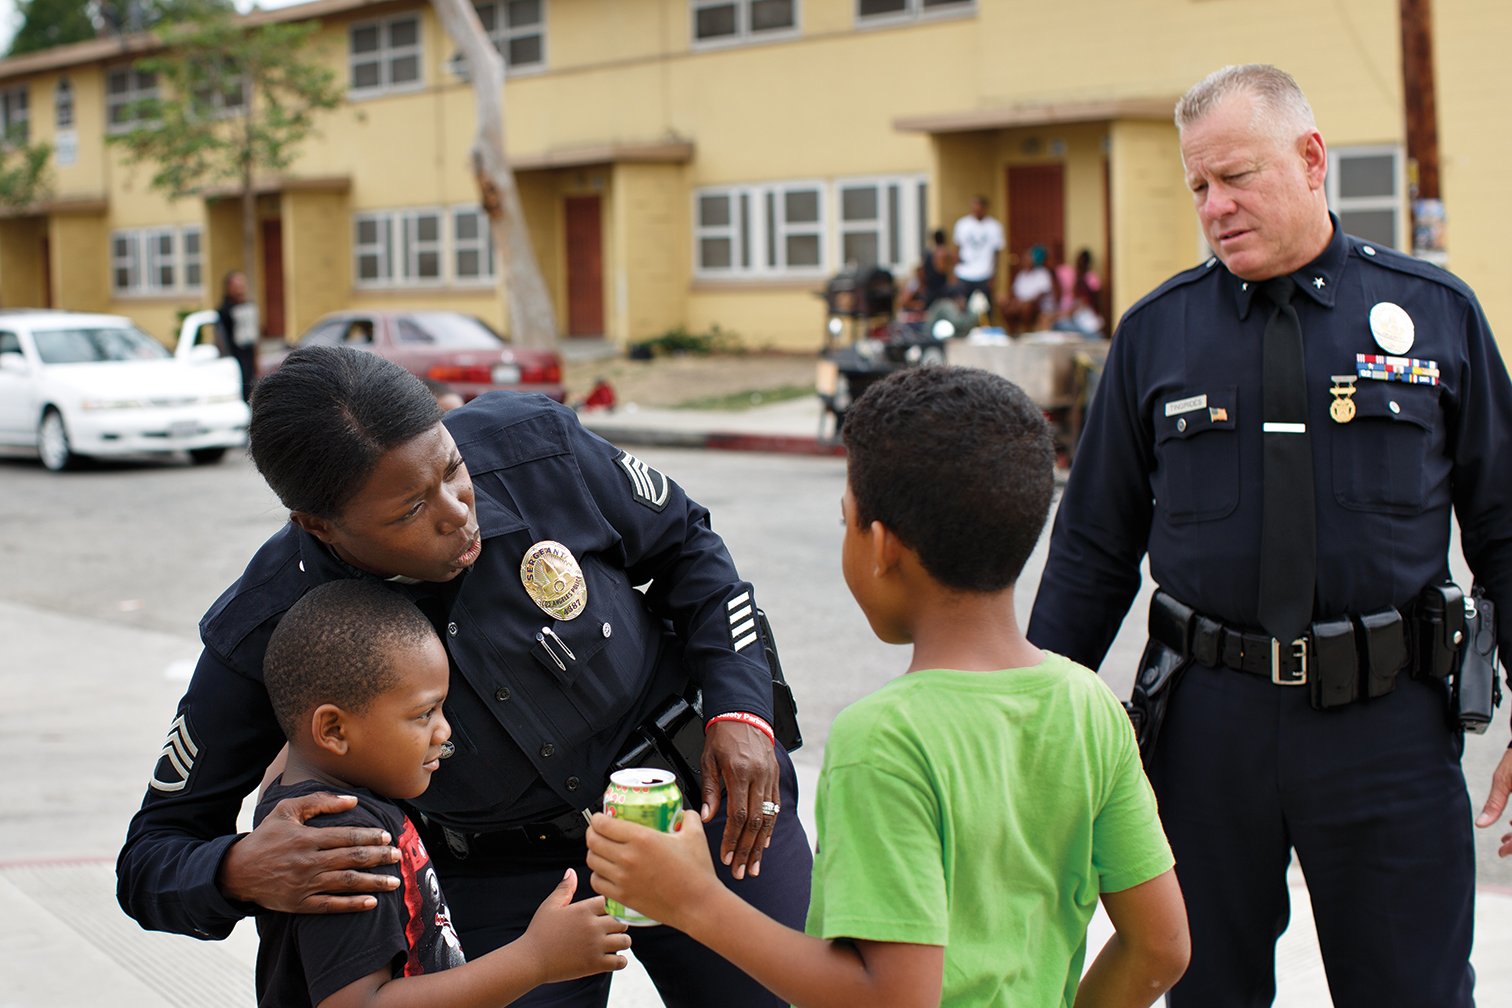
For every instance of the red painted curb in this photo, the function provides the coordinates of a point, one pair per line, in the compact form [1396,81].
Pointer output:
[780,443]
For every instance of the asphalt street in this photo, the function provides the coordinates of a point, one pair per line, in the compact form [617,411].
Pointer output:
[104,575]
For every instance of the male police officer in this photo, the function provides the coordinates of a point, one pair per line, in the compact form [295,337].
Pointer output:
[1284,429]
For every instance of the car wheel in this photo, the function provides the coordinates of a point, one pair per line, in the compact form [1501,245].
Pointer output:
[206,456]
[52,442]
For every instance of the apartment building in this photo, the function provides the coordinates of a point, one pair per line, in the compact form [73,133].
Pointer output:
[690,163]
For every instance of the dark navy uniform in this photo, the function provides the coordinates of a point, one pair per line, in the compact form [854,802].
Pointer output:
[1370,793]
[539,707]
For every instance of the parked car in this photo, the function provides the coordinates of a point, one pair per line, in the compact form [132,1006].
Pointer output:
[445,346]
[74,385]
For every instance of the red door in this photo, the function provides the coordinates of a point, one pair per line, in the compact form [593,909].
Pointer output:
[1036,211]
[271,311]
[585,266]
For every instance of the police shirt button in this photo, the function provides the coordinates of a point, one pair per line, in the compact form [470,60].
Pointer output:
[301,566]
[1393,406]
[572,783]
[451,628]
[447,749]
[608,630]
[1367,250]
[502,693]
[1181,424]
[548,750]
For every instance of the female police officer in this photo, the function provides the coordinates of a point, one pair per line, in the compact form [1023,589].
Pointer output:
[522,537]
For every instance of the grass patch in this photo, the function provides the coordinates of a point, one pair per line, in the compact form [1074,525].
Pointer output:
[732,401]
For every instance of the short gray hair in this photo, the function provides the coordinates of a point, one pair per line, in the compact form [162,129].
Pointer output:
[1280,100]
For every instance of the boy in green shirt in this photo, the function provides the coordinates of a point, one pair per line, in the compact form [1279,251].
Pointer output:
[972,812]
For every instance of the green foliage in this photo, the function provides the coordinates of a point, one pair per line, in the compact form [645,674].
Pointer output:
[232,101]
[23,172]
[678,341]
[734,401]
[48,23]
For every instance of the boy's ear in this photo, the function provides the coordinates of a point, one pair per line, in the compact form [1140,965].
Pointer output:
[328,728]
[885,548]
[320,528]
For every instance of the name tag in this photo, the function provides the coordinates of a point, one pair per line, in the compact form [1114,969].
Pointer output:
[1178,406]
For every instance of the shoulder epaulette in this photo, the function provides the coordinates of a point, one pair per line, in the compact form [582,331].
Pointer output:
[1198,272]
[1402,263]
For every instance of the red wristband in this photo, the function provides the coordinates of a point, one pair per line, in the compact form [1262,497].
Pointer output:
[750,719]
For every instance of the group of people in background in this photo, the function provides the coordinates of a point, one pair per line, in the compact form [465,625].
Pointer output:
[1045,293]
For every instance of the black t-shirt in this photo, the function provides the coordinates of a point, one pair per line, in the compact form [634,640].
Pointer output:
[305,958]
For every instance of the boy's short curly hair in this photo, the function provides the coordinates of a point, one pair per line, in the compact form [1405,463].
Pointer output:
[959,464]
[337,645]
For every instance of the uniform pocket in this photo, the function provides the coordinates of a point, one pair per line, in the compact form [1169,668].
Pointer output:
[1380,458]
[1197,458]
[597,659]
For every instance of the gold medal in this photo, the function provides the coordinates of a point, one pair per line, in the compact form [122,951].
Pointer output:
[1342,409]
[553,580]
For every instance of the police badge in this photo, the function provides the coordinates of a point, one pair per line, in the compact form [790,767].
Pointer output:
[553,580]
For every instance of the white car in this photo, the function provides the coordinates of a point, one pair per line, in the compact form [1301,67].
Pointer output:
[74,385]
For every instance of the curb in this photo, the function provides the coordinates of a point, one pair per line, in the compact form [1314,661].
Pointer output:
[785,444]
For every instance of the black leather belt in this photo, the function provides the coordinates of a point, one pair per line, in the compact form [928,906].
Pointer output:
[1344,659]
[566,830]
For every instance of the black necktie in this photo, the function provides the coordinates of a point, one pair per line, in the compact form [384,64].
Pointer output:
[1288,525]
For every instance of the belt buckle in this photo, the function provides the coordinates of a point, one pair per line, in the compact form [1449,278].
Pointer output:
[1299,652]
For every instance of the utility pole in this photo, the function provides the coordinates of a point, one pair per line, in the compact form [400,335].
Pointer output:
[1418,88]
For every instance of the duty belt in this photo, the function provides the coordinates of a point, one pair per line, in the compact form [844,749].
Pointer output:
[566,830]
[1341,659]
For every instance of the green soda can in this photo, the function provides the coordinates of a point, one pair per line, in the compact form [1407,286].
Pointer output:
[650,797]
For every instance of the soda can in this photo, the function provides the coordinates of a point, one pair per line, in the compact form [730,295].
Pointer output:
[649,796]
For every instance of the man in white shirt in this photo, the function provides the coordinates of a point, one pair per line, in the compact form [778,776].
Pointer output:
[978,239]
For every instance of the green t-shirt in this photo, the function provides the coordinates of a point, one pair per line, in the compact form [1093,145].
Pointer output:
[985,812]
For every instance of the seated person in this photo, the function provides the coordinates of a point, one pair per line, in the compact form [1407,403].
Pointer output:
[357,678]
[1031,301]
[1081,297]
[972,811]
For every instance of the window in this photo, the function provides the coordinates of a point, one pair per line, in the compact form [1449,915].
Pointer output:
[899,10]
[881,221]
[724,20]
[423,247]
[155,261]
[1365,189]
[63,107]
[15,126]
[472,247]
[123,89]
[385,55]
[517,29]
[755,231]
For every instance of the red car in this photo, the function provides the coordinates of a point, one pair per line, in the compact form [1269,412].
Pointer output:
[445,346]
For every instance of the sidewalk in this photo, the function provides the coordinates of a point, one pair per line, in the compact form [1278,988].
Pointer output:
[71,945]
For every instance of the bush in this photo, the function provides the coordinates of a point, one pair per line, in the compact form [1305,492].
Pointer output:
[677,342]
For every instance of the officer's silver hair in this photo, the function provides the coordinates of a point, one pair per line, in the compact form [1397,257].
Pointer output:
[1280,108]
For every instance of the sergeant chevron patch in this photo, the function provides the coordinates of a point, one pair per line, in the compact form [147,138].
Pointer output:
[647,485]
[742,620]
[176,761]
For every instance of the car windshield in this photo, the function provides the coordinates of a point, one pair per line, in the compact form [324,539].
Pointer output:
[447,329]
[88,346]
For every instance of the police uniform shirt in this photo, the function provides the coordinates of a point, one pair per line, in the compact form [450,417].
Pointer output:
[1170,461]
[536,717]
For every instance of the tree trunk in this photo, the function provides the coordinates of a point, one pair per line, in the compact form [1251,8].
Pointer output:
[248,199]
[532,320]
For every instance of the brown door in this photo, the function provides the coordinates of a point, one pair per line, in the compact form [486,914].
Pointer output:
[585,267]
[46,253]
[271,311]
[1036,211]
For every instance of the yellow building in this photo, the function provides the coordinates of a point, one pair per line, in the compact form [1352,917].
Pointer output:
[691,163]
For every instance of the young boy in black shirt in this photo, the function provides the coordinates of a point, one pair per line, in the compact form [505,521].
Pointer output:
[357,678]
